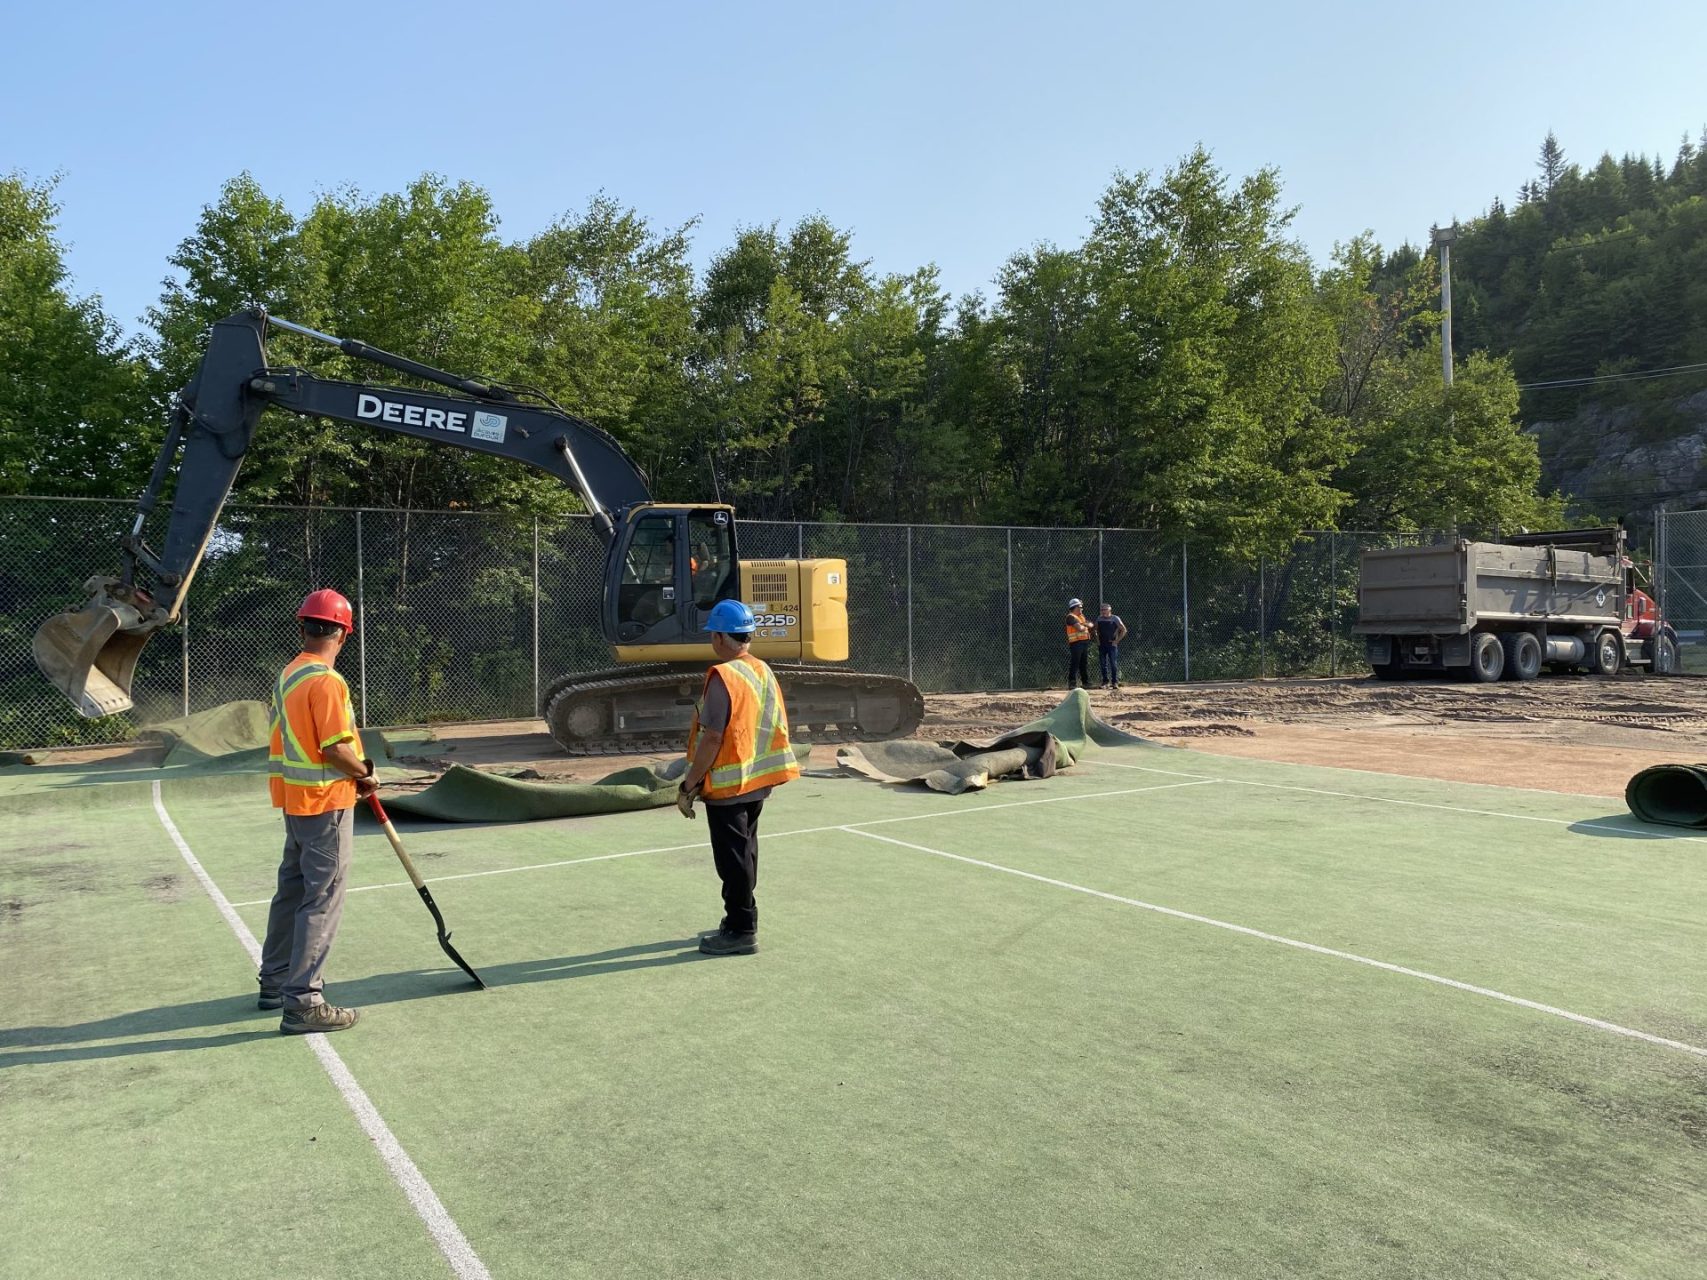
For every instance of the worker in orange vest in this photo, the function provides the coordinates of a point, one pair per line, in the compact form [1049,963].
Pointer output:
[738,753]
[317,771]
[1078,644]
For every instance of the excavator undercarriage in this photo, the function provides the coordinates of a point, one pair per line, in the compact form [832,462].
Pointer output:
[640,709]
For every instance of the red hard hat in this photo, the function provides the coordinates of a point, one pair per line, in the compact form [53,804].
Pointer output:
[327,605]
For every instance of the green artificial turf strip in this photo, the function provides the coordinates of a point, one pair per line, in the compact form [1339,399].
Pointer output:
[934,1068]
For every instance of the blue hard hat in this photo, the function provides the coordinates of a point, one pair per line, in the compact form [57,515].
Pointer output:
[732,618]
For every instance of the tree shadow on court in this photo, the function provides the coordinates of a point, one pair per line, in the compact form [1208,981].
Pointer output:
[70,1043]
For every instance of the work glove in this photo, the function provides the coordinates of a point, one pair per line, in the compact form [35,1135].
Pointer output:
[685,799]
[365,787]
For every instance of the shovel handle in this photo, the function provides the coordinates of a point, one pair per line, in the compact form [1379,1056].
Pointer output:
[396,840]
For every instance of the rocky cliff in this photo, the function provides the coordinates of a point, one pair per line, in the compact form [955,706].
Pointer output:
[1626,460]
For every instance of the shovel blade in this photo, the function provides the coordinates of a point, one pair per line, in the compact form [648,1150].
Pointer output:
[89,653]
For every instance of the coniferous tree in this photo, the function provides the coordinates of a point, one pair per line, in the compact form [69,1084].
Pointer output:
[1551,163]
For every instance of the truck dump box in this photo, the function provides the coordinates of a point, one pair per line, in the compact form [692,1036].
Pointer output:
[1452,589]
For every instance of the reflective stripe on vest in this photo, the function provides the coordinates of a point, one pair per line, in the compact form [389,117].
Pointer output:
[292,766]
[1077,629]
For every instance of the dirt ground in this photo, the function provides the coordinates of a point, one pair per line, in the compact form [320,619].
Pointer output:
[1574,734]
[1580,735]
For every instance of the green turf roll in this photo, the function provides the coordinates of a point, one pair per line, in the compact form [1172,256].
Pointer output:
[1673,794]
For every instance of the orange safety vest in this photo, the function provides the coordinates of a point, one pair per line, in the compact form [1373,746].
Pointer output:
[1077,628]
[311,711]
[754,752]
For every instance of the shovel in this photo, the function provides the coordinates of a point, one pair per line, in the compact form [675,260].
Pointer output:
[420,887]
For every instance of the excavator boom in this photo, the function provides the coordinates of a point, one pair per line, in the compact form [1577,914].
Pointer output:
[89,652]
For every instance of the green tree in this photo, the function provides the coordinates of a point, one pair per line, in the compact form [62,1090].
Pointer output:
[614,332]
[74,415]
[1550,162]
[1190,382]
[421,272]
[773,316]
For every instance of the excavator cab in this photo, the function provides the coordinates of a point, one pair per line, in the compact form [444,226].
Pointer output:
[668,566]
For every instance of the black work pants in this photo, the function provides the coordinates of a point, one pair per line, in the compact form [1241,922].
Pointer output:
[735,851]
[1078,663]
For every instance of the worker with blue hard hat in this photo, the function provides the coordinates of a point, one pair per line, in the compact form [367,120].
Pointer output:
[738,753]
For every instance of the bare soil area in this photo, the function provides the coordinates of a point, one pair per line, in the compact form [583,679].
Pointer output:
[1574,734]
[1580,735]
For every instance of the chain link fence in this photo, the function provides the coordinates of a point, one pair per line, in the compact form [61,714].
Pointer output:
[1680,581]
[467,615]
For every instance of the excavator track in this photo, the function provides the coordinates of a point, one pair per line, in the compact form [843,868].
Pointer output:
[632,710]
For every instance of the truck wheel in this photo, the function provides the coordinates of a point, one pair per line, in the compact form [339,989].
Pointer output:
[1385,670]
[1662,651]
[1522,655]
[1487,658]
[1608,653]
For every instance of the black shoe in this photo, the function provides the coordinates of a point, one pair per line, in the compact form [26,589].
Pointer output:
[724,943]
[269,998]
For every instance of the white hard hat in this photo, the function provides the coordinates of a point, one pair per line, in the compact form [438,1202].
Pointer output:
[1075,603]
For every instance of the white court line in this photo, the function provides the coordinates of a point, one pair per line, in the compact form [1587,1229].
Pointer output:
[1583,1019]
[446,1234]
[1415,804]
[776,835]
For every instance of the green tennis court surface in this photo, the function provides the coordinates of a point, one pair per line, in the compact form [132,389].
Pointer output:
[975,1043]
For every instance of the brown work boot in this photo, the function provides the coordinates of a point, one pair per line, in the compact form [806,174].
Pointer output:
[317,1017]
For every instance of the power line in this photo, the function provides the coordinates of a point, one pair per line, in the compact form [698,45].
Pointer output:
[1675,371]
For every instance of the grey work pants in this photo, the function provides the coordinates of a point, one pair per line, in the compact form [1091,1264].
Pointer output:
[308,904]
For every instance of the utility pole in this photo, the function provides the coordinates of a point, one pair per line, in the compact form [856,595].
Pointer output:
[1443,238]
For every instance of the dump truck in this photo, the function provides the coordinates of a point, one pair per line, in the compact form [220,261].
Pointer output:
[1564,600]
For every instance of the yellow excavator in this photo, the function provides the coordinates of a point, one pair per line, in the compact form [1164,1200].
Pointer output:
[666,565]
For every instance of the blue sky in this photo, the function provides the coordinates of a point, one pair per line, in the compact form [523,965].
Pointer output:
[949,133]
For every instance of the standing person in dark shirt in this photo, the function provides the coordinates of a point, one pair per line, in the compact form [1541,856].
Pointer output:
[738,752]
[1110,632]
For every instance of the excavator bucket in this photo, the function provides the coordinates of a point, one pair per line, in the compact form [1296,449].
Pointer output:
[89,653]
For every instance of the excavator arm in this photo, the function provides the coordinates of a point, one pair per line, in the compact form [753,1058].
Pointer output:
[90,652]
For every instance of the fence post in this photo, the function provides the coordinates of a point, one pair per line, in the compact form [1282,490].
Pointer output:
[361,617]
[1185,601]
[537,709]
[800,540]
[909,603]
[1333,604]
[1010,608]
[1262,617]
[1102,592]
[184,650]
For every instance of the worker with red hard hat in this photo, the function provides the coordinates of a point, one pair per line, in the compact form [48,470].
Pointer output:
[317,772]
